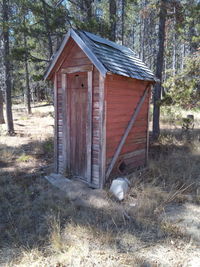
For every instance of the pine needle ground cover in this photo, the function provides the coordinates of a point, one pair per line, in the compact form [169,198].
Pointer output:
[39,226]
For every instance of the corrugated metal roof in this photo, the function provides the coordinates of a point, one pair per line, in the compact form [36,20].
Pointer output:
[116,58]
[107,56]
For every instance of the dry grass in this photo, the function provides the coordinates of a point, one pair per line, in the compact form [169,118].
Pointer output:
[7,153]
[40,227]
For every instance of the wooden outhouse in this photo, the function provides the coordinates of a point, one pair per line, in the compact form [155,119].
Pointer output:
[101,98]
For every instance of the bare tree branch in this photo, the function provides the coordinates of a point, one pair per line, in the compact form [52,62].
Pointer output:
[39,59]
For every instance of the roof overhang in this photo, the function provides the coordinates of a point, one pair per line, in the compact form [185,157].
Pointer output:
[71,33]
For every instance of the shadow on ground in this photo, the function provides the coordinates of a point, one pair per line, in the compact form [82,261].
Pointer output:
[29,205]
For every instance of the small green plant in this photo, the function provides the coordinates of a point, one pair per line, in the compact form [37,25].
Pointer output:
[24,118]
[48,146]
[7,153]
[24,158]
[51,114]
[170,115]
[188,123]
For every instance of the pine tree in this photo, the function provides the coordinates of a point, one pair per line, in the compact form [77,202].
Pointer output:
[2,121]
[112,17]
[7,65]
[159,69]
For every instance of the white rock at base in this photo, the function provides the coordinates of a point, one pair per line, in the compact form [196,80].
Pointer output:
[119,187]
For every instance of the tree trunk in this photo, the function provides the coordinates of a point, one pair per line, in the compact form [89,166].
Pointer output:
[2,121]
[88,8]
[113,14]
[192,45]
[174,46]
[6,51]
[123,20]
[145,33]
[182,56]
[141,37]
[27,90]
[133,37]
[48,32]
[174,56]
[159,69]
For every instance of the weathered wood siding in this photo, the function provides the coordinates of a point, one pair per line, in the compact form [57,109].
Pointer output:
[122,96]
[59,125]
[117,98]
[73,56]
[77,95]
[96,129]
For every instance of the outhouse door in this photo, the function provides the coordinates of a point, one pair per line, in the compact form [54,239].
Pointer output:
[79,95]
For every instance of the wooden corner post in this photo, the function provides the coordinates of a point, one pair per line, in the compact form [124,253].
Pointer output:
[64,122]
[89,127]
[55,124]
[102,131]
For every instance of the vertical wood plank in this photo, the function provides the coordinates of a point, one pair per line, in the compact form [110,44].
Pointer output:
[148,117]
[68,125]
[126,133]
[64,122]
[102,131]
[89,127]
[55,124]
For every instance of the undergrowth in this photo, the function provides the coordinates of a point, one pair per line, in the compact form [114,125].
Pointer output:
[39,226]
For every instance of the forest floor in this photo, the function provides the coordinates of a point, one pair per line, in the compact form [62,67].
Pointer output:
[39,226]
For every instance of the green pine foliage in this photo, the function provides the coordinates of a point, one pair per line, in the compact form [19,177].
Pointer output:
[184,88]
[45,22]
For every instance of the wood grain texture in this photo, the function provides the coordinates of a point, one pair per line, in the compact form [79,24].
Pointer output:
[89,127]
[64,124]
[72,57]
[78,120]
[122,97]
[55,126]
[91,120]
[95,129]
[102,129]
[82,68]
[126,133]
